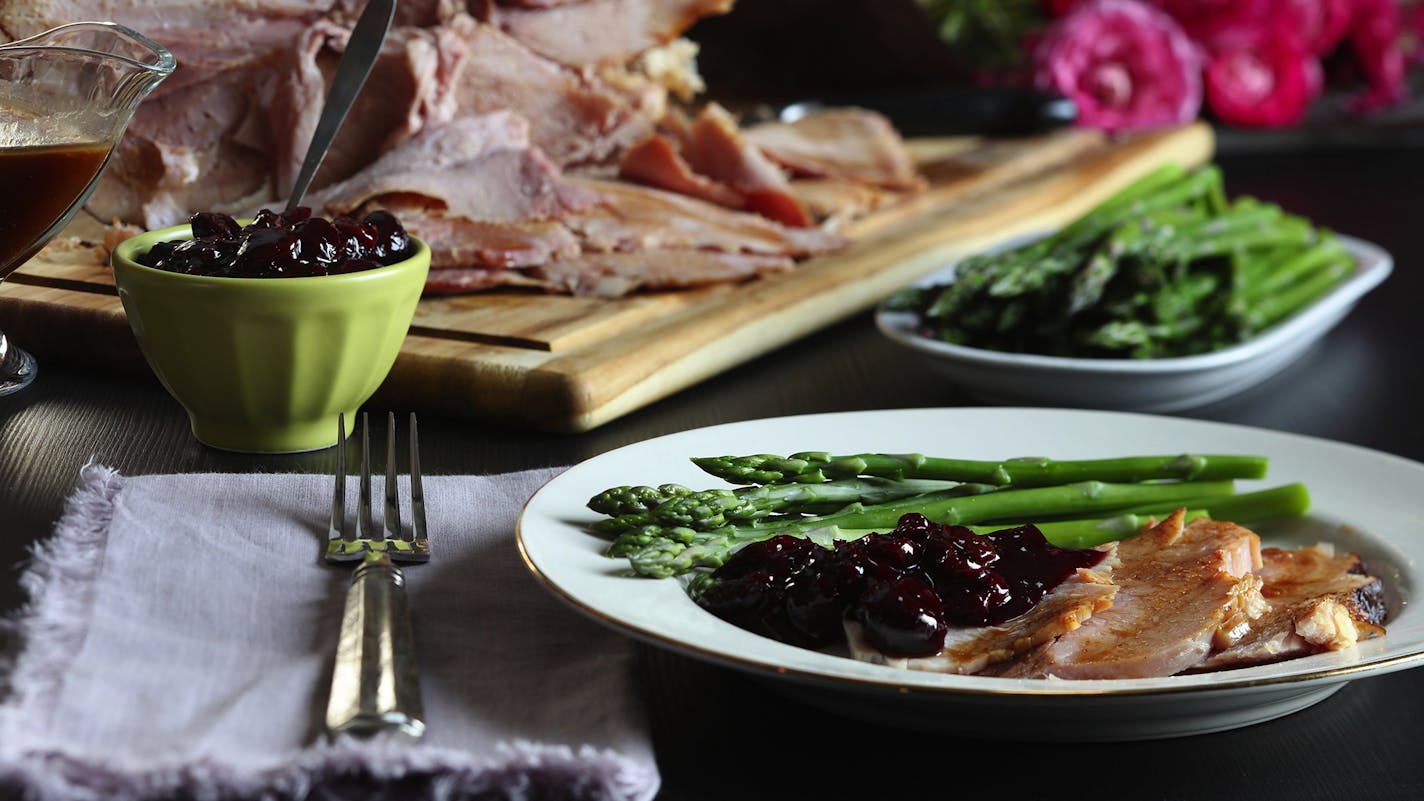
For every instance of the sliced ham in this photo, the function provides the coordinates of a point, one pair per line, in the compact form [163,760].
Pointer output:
[846,143]
[415,13]
[973,649]
[600,32]
[190,149]
[410,86]
[457,242]
[617,274]
[473,119]
[655,161]
[833,202]
[613,274]
[1316,601]
[539,3]
[483,198]
[466,280]
[716,148]
[478,168]
[639,218]
[206,38]
[202,139]
[575,117]
[1183,591]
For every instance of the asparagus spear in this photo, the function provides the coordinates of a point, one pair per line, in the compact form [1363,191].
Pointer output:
[818,466]
[1289,500]
[632,500]
[662,552]
[709,509]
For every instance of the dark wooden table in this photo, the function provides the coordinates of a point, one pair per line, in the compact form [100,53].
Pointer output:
[722,735]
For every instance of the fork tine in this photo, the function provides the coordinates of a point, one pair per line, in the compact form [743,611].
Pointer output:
[392,524]
[417,492]
[335,528]
[363,509]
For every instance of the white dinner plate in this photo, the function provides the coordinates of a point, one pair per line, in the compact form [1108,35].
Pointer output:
[1144,385]
[1363,501]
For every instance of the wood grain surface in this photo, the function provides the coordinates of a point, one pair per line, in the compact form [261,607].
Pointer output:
[574,363]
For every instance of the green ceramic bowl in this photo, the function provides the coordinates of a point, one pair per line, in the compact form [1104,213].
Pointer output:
[265,365]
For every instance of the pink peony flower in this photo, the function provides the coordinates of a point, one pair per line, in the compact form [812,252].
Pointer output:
[1265,80]
[1374,36]
[1126,65]
[1321,24]
[1207,21]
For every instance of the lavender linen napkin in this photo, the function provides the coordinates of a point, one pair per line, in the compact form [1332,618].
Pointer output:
[180,633]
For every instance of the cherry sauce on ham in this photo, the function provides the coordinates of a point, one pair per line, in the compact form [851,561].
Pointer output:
[289,244]
[906,587]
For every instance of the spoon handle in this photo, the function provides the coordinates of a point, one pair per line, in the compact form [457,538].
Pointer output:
[361,51]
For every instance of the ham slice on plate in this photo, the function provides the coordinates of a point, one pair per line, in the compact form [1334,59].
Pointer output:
[1316,601]
[1183,591]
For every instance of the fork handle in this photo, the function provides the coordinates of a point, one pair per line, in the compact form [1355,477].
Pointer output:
[374,684]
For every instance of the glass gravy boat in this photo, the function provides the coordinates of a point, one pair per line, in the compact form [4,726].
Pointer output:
[66,97]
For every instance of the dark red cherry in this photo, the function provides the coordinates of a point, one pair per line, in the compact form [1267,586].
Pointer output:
[206,224]
[267,218]
[392,239]
[320,241]
[359,239]
[903,617]
[782,557]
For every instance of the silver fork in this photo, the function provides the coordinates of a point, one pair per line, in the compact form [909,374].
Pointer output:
[374,684]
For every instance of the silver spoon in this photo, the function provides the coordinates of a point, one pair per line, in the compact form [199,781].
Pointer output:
[351,72]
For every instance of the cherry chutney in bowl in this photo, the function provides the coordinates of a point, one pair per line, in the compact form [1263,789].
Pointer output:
[289,244]
[266,366]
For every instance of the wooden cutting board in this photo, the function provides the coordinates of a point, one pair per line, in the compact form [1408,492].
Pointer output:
[571,364]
